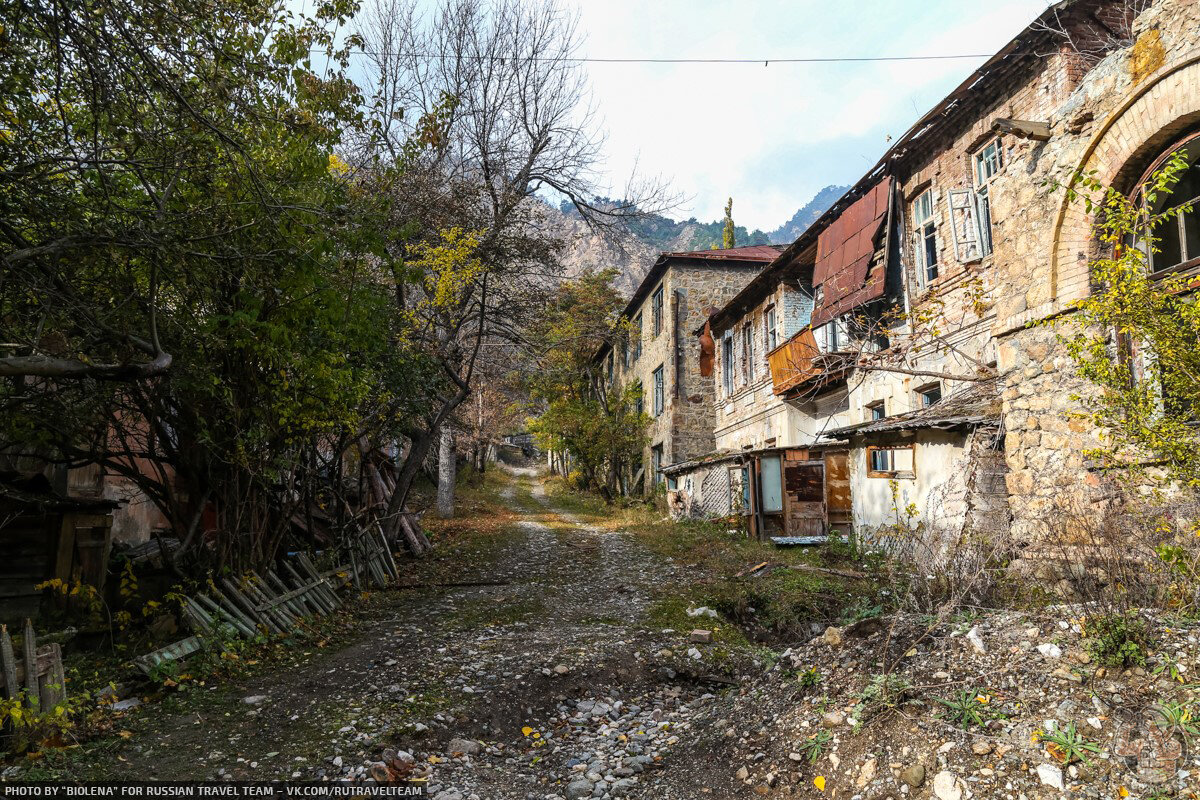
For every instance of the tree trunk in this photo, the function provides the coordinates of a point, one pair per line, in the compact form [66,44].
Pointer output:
[446,474]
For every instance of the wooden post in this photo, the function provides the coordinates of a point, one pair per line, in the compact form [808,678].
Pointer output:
[54,689]
[31,678]
[8,660]
[389,560]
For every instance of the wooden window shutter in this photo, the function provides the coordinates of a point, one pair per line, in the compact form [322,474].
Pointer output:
[964,223]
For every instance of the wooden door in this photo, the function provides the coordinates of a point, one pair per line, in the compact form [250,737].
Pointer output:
[804,490]
[837,489]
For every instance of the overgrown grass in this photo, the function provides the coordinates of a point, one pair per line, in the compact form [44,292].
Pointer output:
[793,592]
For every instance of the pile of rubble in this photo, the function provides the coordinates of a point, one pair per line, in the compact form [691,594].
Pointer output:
[1007,705]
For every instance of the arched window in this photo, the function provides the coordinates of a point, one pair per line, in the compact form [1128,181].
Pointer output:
[1178,238]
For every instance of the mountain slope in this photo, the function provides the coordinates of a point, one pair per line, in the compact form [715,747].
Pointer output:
[634,251]
[789,231]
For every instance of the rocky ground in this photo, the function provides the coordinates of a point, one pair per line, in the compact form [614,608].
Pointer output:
[983,706]
[538,670]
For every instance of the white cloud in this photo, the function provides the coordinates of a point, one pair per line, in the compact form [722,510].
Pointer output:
[771,136]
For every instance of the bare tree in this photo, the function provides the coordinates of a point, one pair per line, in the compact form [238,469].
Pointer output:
[1092,31]
[484,107]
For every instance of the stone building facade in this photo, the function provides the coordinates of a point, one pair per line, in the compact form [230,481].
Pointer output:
[979,244]
[678,292]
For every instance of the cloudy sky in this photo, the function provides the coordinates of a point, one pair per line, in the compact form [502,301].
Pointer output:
[773,136]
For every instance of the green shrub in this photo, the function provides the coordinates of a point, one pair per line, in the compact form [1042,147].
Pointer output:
[882,693]
[1118,640]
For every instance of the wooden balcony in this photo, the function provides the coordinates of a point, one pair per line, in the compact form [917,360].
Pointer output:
[795,361]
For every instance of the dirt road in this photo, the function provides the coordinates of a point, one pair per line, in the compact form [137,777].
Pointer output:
[548,684]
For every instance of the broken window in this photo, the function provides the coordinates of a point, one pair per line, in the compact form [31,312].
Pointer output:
[833,336]
[769,334]
[727,363]
[1178,238]
[656,310]
[988,162]
[658,391]
[929,394]
[890,462]
[748,354]
[925,251]
[656,462]
[964,224]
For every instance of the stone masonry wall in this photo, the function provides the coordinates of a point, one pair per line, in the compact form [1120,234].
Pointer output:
[685,428]
[1113,117]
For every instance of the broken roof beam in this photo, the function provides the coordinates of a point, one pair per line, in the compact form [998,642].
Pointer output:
[1023,128]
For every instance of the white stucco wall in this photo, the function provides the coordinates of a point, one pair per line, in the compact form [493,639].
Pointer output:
[938,489]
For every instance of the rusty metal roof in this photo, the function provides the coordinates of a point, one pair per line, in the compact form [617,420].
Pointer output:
[753,252]
[943,112]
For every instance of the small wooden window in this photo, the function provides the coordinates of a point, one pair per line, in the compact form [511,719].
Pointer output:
[929,394]
[876,411]
[727,363]
[656,310]
[659,394]
[891,462]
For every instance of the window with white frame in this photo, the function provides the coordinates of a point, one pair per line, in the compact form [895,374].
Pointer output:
[770,336]
[891,462]
[924,236]
[727,363]
[833,336]
[988,162]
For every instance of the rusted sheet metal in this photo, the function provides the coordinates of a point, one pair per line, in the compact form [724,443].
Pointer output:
[844,253]
[792,362]
[708,349]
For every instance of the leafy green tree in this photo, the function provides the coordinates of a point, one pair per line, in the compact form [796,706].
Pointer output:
[191,291]
[1136,335]
[580,412]
[729,232]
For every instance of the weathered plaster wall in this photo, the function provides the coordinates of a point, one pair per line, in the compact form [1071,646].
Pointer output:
[937,490]
[753,416]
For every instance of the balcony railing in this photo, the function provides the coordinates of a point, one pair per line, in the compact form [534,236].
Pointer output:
[795,361]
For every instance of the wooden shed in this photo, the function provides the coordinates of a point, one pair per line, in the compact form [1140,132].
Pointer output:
[43,536]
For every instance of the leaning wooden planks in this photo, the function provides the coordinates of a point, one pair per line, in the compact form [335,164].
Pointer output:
[38,673]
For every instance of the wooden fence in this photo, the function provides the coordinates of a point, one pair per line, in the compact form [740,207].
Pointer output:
[39,671]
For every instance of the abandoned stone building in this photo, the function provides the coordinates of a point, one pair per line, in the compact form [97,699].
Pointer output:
[662,355]
[901,329]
